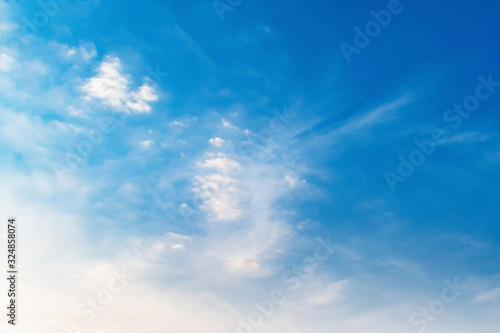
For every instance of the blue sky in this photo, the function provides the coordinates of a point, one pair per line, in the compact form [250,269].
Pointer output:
[204,148]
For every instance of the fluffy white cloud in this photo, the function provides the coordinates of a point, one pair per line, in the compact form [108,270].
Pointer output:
[138,100]
[219,195]
[218,142]
[243,265]
[245,197]
[224,165]
[113,89]
[218,191]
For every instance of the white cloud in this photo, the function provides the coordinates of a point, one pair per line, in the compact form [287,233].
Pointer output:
[243,265]
[7,27]
[487,295]
[86,52]
[245,199]
[139,99]
[220,196]
[227,124]
[146,144]
[248,132]
[56,218]
[159,246]
[178,247]
[176,123]
[6,63]
[35,136]
[173,240]
[174,235]
[218,142]
[224,165]
[76,113]
[113,89]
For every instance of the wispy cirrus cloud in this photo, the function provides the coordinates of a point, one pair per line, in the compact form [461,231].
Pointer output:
[488,295]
